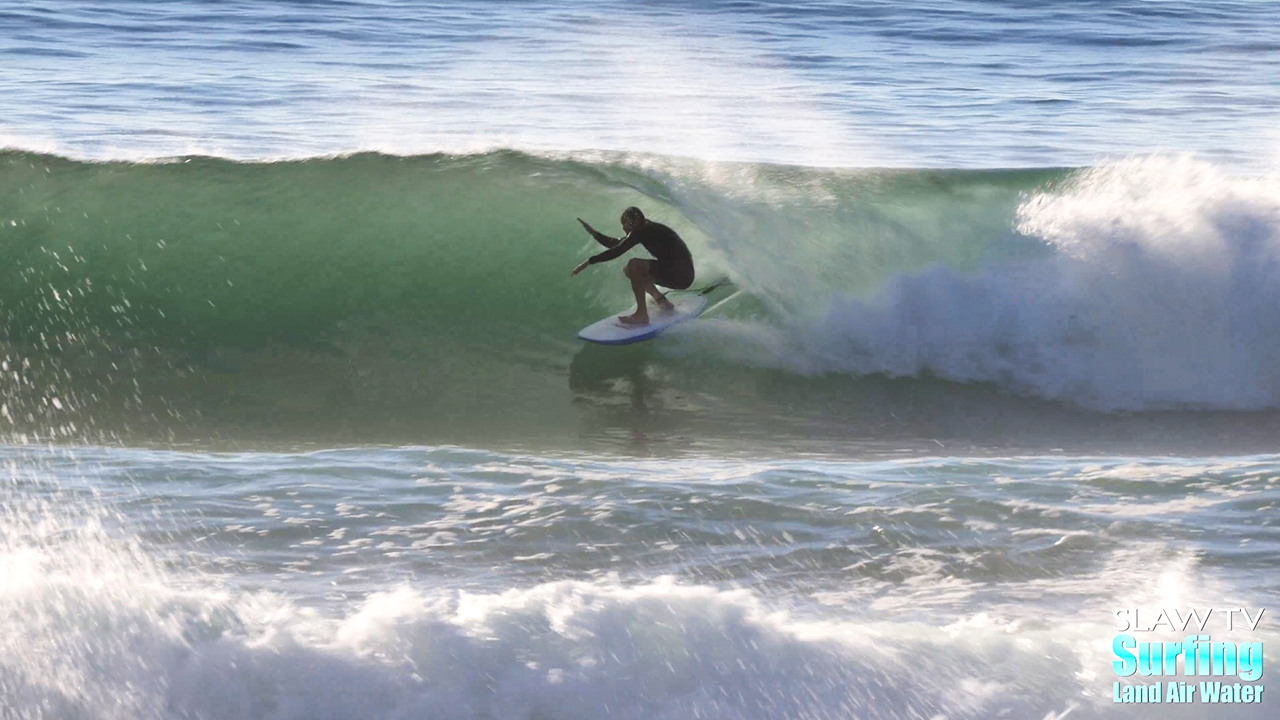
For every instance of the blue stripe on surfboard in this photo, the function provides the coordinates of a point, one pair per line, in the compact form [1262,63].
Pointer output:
[610,332]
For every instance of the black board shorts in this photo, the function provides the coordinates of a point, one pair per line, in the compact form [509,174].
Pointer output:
[675,276]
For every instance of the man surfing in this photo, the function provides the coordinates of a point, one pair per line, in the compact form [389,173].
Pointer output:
[671,266]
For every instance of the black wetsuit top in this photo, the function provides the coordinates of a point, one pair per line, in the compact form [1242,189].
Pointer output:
[672,265]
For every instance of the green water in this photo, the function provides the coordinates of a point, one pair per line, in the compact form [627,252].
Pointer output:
[242,255]
[428,299]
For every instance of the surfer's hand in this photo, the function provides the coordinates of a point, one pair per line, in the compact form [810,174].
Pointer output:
[581,267]
[588,228]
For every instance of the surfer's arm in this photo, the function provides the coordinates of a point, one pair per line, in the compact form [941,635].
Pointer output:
[600,237]
[616,251]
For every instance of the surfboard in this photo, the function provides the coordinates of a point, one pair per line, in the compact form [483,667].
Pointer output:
[611,331]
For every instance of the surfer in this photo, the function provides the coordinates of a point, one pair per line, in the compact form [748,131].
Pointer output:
[671,266]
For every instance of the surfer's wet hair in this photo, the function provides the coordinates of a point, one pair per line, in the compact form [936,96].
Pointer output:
[633,214]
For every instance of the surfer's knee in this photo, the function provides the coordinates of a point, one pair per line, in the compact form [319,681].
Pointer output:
[635,268]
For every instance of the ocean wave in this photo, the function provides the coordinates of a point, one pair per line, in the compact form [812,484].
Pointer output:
[1144,284]
[95,626]
[140,584]
[107,634]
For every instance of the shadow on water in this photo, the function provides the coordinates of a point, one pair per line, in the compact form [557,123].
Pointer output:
[624,400]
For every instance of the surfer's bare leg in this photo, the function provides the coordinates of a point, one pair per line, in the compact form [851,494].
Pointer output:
[645,268]
[660,298]
[638,272]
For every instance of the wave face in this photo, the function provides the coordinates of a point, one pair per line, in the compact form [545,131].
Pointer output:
[218,252]
[443,281]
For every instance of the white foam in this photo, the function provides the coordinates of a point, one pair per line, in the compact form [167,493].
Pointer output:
[105,647]
[101,645]
[1160,291]
[93,624]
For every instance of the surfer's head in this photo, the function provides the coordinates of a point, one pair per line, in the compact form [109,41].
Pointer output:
[632,218]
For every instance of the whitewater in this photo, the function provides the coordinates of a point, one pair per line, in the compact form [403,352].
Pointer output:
[294,423]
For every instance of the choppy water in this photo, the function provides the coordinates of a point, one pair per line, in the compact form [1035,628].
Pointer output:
[296,427]
[925,83]
[447,582]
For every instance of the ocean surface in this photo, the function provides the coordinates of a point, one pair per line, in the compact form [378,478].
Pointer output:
[294,423]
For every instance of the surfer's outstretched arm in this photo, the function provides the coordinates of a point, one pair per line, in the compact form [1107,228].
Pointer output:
[616,251]
[619,248]
[600,237]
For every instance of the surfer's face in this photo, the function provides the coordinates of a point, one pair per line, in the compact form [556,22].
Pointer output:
[628,224]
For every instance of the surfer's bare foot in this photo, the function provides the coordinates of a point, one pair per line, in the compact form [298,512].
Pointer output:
[635,319]
[666,306]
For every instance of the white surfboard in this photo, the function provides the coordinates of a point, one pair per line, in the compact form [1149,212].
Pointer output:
[611,331]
